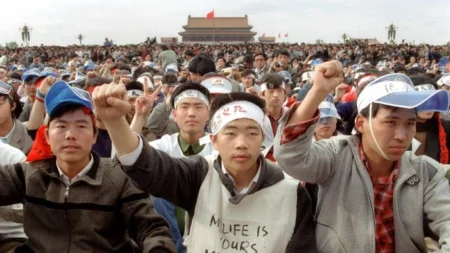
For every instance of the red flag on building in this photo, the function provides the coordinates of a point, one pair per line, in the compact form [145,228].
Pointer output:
[279,35]
[264,35]
[286,35]
[210,15]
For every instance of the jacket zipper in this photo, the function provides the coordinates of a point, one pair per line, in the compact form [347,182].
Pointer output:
[66,197]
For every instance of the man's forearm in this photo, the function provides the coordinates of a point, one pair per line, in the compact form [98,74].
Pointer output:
[122,137]
[308,107]
[138,123]
[37,116]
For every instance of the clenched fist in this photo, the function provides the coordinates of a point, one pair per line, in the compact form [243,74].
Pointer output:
[327,76]
[110,101]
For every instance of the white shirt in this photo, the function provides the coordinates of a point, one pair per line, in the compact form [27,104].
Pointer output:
[83,172]
[246,189]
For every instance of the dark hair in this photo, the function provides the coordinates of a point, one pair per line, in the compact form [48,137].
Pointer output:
[260,54]
[68,108]
[188,86]
[247,72]
[415,71]
[139,71]
[423,79]
[169,79]
[201,65]
[224,99]
[135,85]
[189,53]
[273,81]
[283,52]
[248,58]
[375,108]
[164,47]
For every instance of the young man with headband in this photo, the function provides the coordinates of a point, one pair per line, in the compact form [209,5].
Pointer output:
[370,187]
[190,110]
[223,194]
[73,200]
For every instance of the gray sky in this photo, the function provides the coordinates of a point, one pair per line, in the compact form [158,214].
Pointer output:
[56,22]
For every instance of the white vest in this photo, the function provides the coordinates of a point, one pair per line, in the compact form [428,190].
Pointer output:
[169,144]
[262,222]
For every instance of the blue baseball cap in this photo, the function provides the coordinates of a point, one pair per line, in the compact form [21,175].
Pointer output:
[46,73]
[31,73]
[286,76]
[60,94]
[397,90]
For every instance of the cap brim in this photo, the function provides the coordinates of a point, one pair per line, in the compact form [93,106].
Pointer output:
[422,100]
[328,112]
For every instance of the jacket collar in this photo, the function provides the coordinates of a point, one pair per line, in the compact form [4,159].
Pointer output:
[270,174]
[406,169]
[93,177]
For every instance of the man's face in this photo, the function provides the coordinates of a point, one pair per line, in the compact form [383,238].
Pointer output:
[191,115]
[157,81]
[5,110]
[325,128]
[239,145]
[168,89]
[274,97]
[283,59]
[247,81]
[71,136]
[260,62]
[393,129]
[30,87]
[220,63]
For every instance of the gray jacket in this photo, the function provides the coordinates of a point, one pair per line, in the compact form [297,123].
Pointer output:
[345,212]
[20,138]
[159,122]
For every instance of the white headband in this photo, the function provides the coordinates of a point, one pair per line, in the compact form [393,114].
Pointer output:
[191,94]
[424,87]
[264,87]
[236,110]
[134,93]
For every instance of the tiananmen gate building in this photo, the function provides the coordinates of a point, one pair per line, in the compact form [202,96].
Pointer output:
[218,30]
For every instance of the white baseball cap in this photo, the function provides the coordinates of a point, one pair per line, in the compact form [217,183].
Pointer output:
[397,90]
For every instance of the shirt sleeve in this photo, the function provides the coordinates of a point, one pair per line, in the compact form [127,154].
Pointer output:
[131,158]
[292,131]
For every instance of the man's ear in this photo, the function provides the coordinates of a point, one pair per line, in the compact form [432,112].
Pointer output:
[47,138]
[214,141]
[359,123]
[13,107]
[174,114]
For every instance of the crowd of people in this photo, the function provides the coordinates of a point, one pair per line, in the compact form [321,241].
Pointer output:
[225,148]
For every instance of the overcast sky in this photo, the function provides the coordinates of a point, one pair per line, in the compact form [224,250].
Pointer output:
[57,22]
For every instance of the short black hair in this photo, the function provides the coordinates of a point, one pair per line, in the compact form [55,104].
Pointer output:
[375,108]
[415,71]
[67,108]
[189,53]
[188,86]
[247,72]
[141,70]
[164,47]
[201,65]
[273,81]
[283,52]
[135,85]
[224,99]
[423,79]
[261,54]
[170,79]
[248,58]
